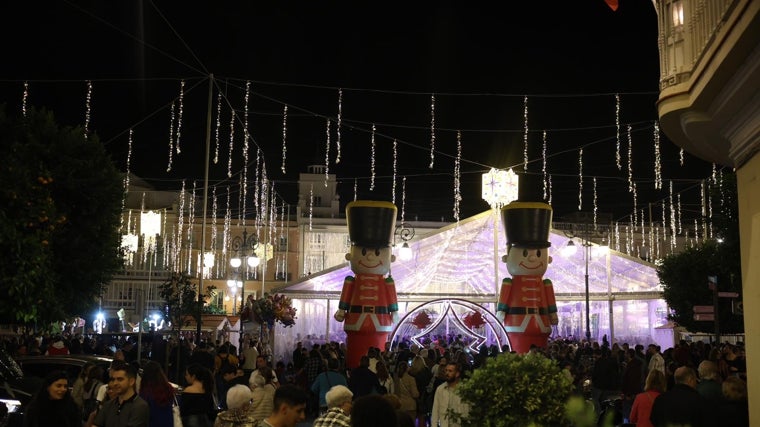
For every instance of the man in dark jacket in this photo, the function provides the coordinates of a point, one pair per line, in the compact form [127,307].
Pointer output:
[362,381]
[682,405]
[605,377]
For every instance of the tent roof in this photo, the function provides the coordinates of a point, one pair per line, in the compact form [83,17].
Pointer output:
[457,261]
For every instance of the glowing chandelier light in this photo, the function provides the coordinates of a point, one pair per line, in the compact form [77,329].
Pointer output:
[150,227]
[500,187]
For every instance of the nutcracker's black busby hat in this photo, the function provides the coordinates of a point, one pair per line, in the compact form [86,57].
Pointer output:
[370,223]
[527,224]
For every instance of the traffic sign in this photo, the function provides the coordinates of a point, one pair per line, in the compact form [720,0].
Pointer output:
[704,309]
[728,294]
[704,317]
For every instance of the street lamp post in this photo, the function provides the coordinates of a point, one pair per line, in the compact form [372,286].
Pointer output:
[243,245]
[585,233]
[405,233]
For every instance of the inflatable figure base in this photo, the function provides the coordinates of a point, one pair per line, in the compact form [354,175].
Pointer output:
[357,344]
[521,343]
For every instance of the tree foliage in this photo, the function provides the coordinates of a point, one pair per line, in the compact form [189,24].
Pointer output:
[60,206]
[516,390]
[684,276]
[181,298]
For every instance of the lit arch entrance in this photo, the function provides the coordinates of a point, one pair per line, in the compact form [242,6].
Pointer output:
[450,316]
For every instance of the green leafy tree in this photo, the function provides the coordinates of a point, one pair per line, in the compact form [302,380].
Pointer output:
[181,298]
[60,205]
[516,390]
[684,275]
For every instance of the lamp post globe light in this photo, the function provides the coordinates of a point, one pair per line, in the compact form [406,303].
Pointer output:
[245,248]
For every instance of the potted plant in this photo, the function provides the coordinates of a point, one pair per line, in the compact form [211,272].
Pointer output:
[516,390]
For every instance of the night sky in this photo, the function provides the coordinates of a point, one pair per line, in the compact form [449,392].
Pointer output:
[480,60]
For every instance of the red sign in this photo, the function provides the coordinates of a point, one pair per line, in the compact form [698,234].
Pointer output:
[704,317]
[728,294]
[703,309]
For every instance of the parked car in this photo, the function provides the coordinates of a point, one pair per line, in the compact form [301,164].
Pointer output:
[41,366]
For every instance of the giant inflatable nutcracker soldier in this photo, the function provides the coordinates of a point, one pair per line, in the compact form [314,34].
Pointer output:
[526,301]
[368,303]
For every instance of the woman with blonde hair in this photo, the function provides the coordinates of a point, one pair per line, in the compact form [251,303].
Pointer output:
[407,390]
[263,393]
[642,404]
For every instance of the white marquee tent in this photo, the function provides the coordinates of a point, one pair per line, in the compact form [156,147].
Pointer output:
[456,263]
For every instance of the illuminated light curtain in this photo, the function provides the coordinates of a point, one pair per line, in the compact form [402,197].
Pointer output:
[150,228]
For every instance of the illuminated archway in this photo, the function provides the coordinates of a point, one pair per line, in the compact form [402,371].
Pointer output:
[449,316]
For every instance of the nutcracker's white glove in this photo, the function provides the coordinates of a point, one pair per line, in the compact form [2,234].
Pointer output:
[394,316]
[340,315]
[500,315]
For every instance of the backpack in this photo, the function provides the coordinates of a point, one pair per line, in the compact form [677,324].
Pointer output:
[90,401]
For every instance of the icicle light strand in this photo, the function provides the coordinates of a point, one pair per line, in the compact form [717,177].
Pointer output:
[657,158]
[179,114]
[339,124]
[311,204]
[232,143]
[25,98]
[618,159]
[284,137]
[372,161]
[327,151]
[525,133]
[403,199]
[171,139]
[630,160]
[88,110]
[432,131]
[680,156]
[550,189]
[356,188]
[218,126]
[580,179]
[395,170]
[596,206]
[543,164]
[457,177]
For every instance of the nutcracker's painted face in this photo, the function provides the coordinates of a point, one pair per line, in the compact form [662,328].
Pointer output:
[527,261]
[370,260]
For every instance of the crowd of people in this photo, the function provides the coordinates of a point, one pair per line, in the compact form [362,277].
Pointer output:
[409,385]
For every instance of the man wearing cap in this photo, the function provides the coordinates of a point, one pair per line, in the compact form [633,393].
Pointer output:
[368,302]
[526,301]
